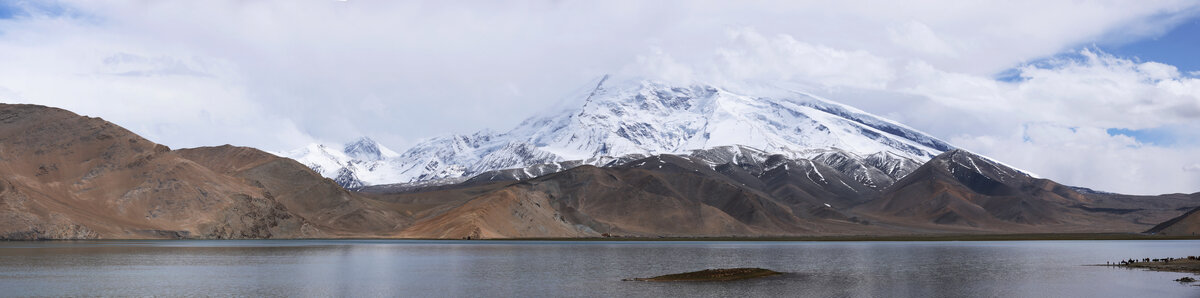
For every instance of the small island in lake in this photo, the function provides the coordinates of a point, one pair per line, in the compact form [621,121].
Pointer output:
[727,274]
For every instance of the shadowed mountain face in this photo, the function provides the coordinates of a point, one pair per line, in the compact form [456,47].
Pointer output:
[672,195]
[743,164]
[657,196]
[1187,224]
[67,176]
[961,190]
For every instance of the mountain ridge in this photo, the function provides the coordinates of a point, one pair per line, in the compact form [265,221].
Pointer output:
[621,117]
[73,177]
[65,176]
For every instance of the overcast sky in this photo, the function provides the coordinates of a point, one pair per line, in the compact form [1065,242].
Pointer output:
[1102,94]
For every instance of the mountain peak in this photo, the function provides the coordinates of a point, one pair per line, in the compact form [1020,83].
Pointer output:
[364,140]
[367,149]
[632,115]
[613,117]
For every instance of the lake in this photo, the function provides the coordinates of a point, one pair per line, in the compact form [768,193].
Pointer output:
[367,268]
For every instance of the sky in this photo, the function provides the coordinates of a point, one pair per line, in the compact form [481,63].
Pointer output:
[1099,94]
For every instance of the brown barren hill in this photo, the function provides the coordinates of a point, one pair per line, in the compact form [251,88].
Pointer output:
[656,196]
[961,191]
[654,202]
[304,192]
[590,201]
[1187,224]
[64,176]
[506,213]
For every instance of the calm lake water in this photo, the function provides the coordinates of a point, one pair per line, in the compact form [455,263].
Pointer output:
[549,268]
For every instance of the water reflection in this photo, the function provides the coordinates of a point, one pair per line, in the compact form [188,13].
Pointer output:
[498,268]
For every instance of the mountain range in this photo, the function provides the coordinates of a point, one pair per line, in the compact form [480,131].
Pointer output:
[628,118]
[624,157]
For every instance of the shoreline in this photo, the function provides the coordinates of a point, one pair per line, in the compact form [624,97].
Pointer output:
[847,238]
[890,238]
[1187,264]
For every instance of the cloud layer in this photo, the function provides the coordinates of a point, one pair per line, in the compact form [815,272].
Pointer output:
[278,74]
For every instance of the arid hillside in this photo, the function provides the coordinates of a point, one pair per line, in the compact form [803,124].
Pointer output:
[336,211]
[961,191]
[66,176]
[1187,224]
[667,195]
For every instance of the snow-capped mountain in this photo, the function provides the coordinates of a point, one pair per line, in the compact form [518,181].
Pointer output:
[620,117]
[355,164]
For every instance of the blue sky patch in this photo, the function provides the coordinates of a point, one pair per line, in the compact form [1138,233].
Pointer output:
[1162,136]
[18,9]
[10,10]
[1177,47]
[1013,75]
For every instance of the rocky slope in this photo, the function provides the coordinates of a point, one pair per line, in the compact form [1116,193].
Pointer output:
[876,171]
[64,176]
[1187,224]
[67,176]
[302,191]
[657,196]
[753,193]
[959,190]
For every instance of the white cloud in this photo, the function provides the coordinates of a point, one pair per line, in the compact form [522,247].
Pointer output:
[184,101]
[1091,158]
[661,66]
[752,56]
[920,38]
[276,74]
[1054,120]
[1102,90]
